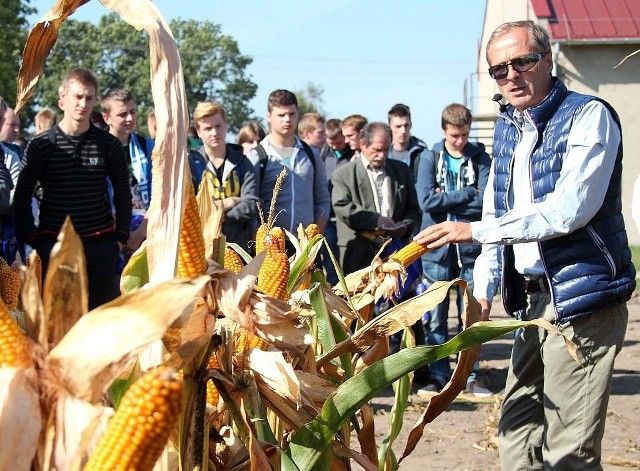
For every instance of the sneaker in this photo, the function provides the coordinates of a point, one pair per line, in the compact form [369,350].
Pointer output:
[429,390]
[476,389]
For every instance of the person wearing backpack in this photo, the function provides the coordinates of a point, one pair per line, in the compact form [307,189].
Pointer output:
[304,196]
[233,176]
[405,147]
[72,162]
[450,187]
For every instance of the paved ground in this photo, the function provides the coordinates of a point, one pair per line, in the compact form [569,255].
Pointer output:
[463,437]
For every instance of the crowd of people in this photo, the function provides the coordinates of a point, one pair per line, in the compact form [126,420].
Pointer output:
[540,221]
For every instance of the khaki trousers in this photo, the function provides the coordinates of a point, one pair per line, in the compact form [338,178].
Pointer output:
[554,410]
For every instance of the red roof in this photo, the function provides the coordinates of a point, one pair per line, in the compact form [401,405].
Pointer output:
[578,20]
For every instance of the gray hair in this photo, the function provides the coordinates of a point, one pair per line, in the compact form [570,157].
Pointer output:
[371,129]
[538,36]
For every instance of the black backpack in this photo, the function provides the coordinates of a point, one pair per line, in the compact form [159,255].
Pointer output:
[262,158]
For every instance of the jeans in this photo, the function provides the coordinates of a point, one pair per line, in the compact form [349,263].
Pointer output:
[436,328]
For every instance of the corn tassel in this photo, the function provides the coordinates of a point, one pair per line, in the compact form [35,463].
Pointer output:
[232,260]
[191,259]
[10,286]
[410,253]
[14,345]
[140,428]
[274,272]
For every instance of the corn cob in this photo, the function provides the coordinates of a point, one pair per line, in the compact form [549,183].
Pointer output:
[274,272]
[410,253]
[14,345]
[232,261]
[248,340]
[191,259]
[3,262]
[37,262]
[261,237]
[213,396]
[311,231]
[9,287]
[140,428]
[261,234]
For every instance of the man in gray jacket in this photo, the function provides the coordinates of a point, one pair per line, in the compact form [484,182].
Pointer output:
[304,196]
[372,196]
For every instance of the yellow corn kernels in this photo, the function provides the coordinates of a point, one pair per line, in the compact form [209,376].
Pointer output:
[10,286]
[14,345]
[191,259]
[261,234]
[410,253]
[311,231]
[248,340]
[274,272]
[232,260]
[140,428]
[213,396]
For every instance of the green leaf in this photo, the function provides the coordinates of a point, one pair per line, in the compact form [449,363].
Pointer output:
[136,273]
[330,331]
[402,389]
[301,264]
[120,386]
[313,440]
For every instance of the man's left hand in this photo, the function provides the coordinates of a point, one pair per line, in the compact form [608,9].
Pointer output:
[444,233]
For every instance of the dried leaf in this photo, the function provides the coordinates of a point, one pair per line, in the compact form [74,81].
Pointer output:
[367,435]
[396,318]
[20,419]
[65,296]
[95,350]
[73,439]
[39,43]
[32,303]
[171,179]
[211,215]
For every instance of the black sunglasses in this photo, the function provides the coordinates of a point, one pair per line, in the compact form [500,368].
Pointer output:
[519,64]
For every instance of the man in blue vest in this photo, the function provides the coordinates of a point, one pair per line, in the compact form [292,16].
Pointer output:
[552,230]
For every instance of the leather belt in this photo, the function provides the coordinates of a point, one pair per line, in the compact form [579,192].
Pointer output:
[536,285]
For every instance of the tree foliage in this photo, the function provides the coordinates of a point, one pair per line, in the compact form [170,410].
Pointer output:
[212,63]
[310,99]
[13,34]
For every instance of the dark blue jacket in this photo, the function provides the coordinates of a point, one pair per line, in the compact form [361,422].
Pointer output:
[589,269]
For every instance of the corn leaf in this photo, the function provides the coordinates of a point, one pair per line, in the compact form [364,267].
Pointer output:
[136,272]
[302,263]
[311,442]
[402,389]
[330,332]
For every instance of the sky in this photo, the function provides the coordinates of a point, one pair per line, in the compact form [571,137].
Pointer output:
[367,55]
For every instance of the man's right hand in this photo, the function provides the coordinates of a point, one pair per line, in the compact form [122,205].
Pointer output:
[486,309]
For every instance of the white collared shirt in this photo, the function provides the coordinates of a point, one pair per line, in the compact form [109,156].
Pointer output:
[380,186]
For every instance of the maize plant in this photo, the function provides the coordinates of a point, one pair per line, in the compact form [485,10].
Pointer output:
[291,405]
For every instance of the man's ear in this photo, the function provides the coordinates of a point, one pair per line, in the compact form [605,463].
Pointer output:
[106,118]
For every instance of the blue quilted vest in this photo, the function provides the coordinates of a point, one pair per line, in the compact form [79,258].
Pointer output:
[590,268]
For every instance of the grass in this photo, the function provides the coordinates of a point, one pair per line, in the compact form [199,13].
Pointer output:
[635,257]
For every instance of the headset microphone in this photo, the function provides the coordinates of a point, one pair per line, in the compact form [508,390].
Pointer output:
[503,106]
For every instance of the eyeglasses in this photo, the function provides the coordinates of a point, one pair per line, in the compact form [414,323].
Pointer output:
[519,64]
